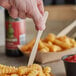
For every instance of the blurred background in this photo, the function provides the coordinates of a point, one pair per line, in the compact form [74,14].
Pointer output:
[59,2]
[61,9]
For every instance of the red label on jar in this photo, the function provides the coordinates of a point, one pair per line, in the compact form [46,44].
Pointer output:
[15,34]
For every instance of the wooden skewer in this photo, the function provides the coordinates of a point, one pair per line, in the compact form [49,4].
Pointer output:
[34,50]
[66,30]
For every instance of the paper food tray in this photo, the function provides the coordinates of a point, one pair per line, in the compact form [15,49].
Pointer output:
[54,56]
[50,56]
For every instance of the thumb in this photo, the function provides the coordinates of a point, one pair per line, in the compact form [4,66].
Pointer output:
[5,4]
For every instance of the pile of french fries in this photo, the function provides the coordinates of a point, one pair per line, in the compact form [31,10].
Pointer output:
[33,70]
[51,43]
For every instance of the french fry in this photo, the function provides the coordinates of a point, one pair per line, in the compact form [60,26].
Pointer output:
[62,44]
[4,75]
[44,50]
[41,45]
[50,43]
[47,45]
[33,70]
[50,37]
[53,48]
[47,69]
[73,42]
[27,46]
[65,39]
[7,69]
[14,75]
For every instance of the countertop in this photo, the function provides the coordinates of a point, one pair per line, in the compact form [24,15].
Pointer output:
[54,25]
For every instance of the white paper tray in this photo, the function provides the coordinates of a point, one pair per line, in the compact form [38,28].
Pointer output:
[50,56]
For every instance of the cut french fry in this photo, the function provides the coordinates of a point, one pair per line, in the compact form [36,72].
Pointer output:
[50,37]
[47,45]
[50,43]
[65,39]
[62,44]
[29,45]
[33,70]
[55,48]
[73,42]
[41,45]
[44,50]
[47,69]
[7,70]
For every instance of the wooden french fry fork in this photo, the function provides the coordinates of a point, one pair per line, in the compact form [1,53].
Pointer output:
[34,50]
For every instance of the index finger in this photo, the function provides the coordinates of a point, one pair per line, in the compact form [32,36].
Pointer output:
[40,6]
[37,16]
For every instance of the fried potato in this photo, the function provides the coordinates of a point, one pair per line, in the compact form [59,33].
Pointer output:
[50,37]
[14,75]
[44,50]
[62,44]
[9,75]
[73,42]
[7,70]
[65,39]
[51,44]
[29,45]
[47,69]
[23,70]
[33,73]
[33,70]
[41,45]
[4,75]
[53,48]
[47,45]
[36,67]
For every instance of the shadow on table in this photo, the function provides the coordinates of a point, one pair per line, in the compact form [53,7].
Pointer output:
[61,74]
[13,61]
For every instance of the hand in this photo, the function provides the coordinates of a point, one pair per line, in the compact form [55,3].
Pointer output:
[26,8]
